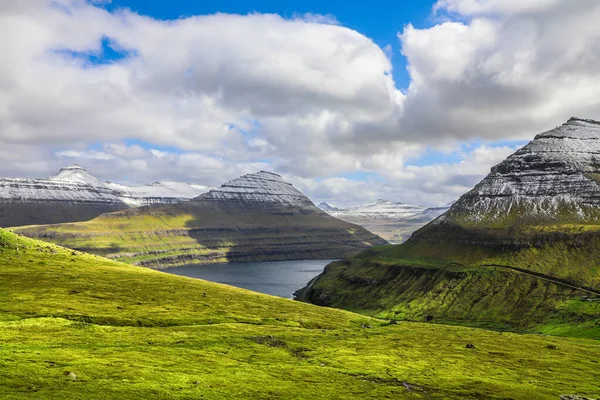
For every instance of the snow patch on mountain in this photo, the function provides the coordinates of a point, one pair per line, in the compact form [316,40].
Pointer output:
[74,184]
[325,206]
[261,187]
[377,210]
[391,220]
[554,177]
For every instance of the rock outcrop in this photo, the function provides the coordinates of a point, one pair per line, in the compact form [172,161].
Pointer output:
[553,179]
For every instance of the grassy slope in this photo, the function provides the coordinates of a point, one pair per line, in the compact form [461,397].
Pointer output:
[399,282]
[129,332]
[167,236]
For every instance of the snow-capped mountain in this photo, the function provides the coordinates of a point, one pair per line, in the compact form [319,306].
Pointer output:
[377,210]
[390,220]
[256,217]
[73,194]
[554,178]
[261,187]
[329,207]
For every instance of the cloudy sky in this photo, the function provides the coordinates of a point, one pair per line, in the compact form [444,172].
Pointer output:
[412,101]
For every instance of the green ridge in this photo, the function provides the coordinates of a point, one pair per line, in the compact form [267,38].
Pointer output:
[75,326]
[205,232]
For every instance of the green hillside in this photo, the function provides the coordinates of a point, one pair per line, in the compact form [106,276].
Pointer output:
[76,326]
[520,251]
[398,282]
[208,232]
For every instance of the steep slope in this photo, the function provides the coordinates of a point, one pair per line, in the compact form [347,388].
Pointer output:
[252,218]
[90,328]
[74,195]
[392,221]
[521,249]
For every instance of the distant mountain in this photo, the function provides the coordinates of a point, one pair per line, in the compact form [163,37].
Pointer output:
[328,207]
[252,218]
[520,250]
[73,194]
[392,221]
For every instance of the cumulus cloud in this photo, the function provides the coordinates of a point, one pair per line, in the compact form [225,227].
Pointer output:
[502,68]
[207,98]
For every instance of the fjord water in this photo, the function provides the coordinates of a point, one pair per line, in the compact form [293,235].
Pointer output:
[278,278]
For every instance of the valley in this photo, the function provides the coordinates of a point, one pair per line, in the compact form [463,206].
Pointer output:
[257,217]
[394,222]
[263,200]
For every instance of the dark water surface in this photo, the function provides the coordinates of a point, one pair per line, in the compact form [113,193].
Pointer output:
[279,278]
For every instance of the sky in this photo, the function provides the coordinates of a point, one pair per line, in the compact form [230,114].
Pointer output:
[410,101]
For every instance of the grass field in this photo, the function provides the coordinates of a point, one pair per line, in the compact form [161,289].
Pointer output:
[204,232]
[76,326]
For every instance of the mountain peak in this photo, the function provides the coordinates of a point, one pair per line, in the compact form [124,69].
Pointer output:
[260,187]
[76,173]
[574,128]
[325,206]
[554,178]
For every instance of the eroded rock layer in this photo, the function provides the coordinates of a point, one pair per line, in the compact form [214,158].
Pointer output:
[256,217]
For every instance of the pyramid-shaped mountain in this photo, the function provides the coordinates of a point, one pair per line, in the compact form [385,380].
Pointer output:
[553,179]
[73,194]
[256,217]
[522,249]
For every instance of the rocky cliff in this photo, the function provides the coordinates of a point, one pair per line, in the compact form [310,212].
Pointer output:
[73,195]
[252,218]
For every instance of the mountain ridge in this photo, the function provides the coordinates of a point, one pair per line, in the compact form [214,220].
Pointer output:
[510,252]
[256,217]
[394,221]
[73,194]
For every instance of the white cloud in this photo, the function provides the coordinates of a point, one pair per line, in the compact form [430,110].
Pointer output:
[97,155]
[473,7]
[503,69]
[208,98]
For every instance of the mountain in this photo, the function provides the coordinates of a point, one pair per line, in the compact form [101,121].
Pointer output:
[256,217]
[74,195]
[520,250]
[328,207]
[392,221]
[76,326]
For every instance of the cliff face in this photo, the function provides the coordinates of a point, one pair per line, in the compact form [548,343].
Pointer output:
[73,195]
[520,248]
[256,217]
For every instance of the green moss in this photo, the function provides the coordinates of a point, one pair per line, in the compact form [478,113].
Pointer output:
[397,282]
[204,232]
[128,332]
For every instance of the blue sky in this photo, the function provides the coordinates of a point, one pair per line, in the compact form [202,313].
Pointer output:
[267,84]
[380,21]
